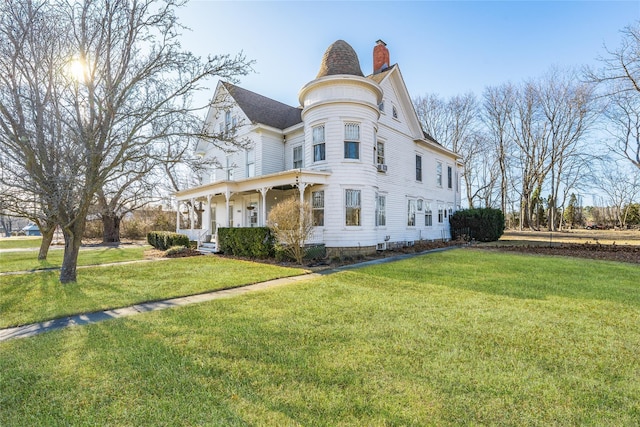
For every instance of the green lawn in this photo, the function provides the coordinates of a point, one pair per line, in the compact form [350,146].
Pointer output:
[28,260]
[29,298]
[20,242]
[461,337]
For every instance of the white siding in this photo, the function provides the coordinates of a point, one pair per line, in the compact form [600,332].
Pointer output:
[271,154]
[294,139]
[332,102]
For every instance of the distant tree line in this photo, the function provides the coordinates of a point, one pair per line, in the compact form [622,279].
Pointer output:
[528,147]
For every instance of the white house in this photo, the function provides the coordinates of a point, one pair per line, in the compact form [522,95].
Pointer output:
[354,150]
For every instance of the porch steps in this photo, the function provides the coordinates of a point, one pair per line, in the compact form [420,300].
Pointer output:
[208,248]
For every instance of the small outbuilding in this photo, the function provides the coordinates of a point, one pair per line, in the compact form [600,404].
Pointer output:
[31,230]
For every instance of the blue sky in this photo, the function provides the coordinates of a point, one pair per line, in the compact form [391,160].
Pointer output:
[441,47]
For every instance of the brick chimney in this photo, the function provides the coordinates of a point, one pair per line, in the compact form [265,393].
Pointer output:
[380,57]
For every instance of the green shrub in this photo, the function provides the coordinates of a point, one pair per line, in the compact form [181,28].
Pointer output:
[163,240]
[257,242]
[483,224]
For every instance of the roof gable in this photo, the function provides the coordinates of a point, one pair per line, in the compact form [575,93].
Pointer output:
[394,76]
[263,110]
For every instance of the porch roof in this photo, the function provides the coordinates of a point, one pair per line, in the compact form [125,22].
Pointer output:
[290,177]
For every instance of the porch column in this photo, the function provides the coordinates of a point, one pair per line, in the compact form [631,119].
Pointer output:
[206,218]
[263,191]
[227,197]
[301,187]
[191,213]
[177,215]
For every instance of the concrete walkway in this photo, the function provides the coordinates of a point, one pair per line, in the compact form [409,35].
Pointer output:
[99,316]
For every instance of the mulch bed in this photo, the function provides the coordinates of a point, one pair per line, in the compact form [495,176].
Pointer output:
[621,253]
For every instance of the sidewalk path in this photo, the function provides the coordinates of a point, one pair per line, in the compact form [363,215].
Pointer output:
[99,316]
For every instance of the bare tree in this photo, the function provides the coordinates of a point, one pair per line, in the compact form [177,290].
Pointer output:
[33,162]
[619,80]
[454,123]
[292,225]
[567,112]
[133,78]
[529,135]
[498,104]
[622,187]
[623,125]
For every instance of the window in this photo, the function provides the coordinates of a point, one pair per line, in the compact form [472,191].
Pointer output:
[450,209]
[449,177]
[318,144]
[411,213]
[380,153]
[227,123]
[428,215]
[297,157]
[420,203]
[394,112]
[381,210]
[352,205]
[418,168]
[229,168]
[439,174]
[251,163]
[440,213]
[381,106]
[351,141]
[317,208]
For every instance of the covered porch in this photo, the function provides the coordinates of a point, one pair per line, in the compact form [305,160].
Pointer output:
[242,203]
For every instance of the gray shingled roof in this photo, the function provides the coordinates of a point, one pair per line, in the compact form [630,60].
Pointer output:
[263,110]
[340,58]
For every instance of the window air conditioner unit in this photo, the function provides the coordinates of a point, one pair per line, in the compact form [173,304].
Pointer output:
[382,168]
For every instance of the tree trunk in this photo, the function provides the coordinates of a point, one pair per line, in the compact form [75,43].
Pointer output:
[72,241]
[111,228]
[47,238]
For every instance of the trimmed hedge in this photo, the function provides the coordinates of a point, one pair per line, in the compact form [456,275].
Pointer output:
[483,224]
[256,242]
[163,240]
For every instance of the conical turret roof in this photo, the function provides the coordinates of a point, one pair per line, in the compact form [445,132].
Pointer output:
[340,58]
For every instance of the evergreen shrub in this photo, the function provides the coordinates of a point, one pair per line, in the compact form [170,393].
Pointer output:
[256,242]
[481,224]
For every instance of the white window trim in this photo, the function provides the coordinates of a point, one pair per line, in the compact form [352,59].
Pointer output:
[356,140]
[323,142]
[293,156]
[314,209]
[378,210]
[344,194]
